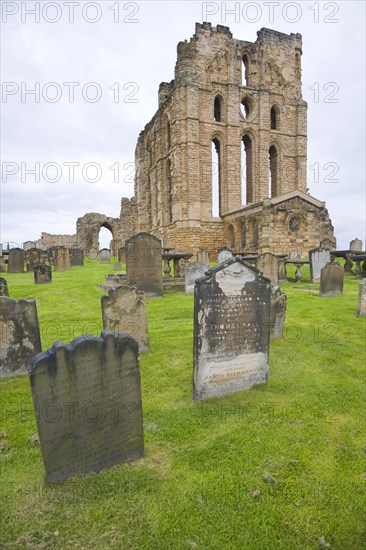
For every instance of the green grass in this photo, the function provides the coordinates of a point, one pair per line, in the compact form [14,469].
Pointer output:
[203,461]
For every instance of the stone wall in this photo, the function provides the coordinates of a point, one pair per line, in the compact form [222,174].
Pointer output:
[47,240]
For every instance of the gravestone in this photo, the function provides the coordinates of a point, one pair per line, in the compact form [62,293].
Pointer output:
[33,256]
[76,257]
[193,272]
[28,245]
[122,254]
[3,287]
[87,400]
[331,280]
[105,256]
[267,264]
[356,245]
[294,255]
[61,257]
[203,256]
[42,274]
[318,258]
[224,254]
[2,265]
[144,264]
[124,310]
[117,267]
[19,335]
[231,329]
[278,312]
[327,244]
[16,260]
[361,309]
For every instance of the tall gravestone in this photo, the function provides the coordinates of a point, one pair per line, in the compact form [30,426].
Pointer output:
[61,256]
[331,280]
[361,309]
[144,264]
[87,400]
[105,256]
[224,254]
[3,287]
[76,257]
[267,264]
[42,274]
[19,334]
[356,245]
[231,329]
[124,310]
[16,260]
[193,272]
[278,312]
[327,244]
[122,254]
[203,256]
[33,256]
[318,258]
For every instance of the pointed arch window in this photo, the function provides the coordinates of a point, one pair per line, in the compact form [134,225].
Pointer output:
[218,109]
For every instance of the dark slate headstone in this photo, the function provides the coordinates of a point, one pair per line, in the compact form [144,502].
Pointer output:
[267,264]
[231,329]
[331,280]
[76,257]
[144,264]
[87,400]
[16,260]
[42,274]
[318,258]
[33,256]
[124,310]
[105,256]
[361,308]
[19,335]
[3,287]
[278,312]
[61,256]
[193,272]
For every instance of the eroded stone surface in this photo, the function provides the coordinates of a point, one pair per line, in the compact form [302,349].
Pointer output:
[268,265]
[42,274]
[3,287]
[144,264]
[278,312]
[61,258]
[319,258]
[76,257]
[16,260]
[361,309]
[105,256]
[331,280]
[193,272]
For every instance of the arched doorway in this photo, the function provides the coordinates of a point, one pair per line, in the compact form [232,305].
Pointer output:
[105,237]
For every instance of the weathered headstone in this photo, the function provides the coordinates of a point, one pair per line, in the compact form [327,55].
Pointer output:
[231,329]
[2,264]
[124,310]
[19,335]
[61,257]
[318,258]
[294,255]
[87,400]
[331,280]
[278,312]
[42,274]
[28,245]
[203,256]
[3,287]
[76,257]
[16,260]
[361,309]
[355,245]
[193,272]
[267,264]
[122,254]
[224,254]
[33,256]
[144,263]
[105,256]
[117,267]
[327,244]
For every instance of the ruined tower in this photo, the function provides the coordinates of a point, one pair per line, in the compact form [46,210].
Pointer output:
[223,160]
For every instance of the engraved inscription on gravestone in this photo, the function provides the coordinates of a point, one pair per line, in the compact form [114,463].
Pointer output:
[318,258]
[16,260]
[42,274]
[76,257]
[61,257]
[193,272]
[331,280]
[231,329]
[87,400]
[124,310]
[144,263]
[267,264]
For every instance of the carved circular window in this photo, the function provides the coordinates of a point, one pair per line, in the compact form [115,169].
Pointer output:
[295,224]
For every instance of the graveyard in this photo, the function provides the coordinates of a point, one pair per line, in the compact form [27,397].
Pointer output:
[280,465]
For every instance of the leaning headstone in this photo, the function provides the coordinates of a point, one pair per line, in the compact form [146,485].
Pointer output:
[331,280]
[3,287]
[355,245]
[327,244]
[19,333]
[33,256]
[124,310]
[203,256]
[16,260]
[267,264]
[144,263]
[42,274]
[122,254]
[231,329]
[87,400]
[193,272]
[76,257]
[361,309]
[61,257]
[278,312]
[224,254]
[105,256]
[318,258]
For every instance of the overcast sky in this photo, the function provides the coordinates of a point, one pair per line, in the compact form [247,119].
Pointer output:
[115,54]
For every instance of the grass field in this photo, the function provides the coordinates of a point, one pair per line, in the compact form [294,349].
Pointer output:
[281,466]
